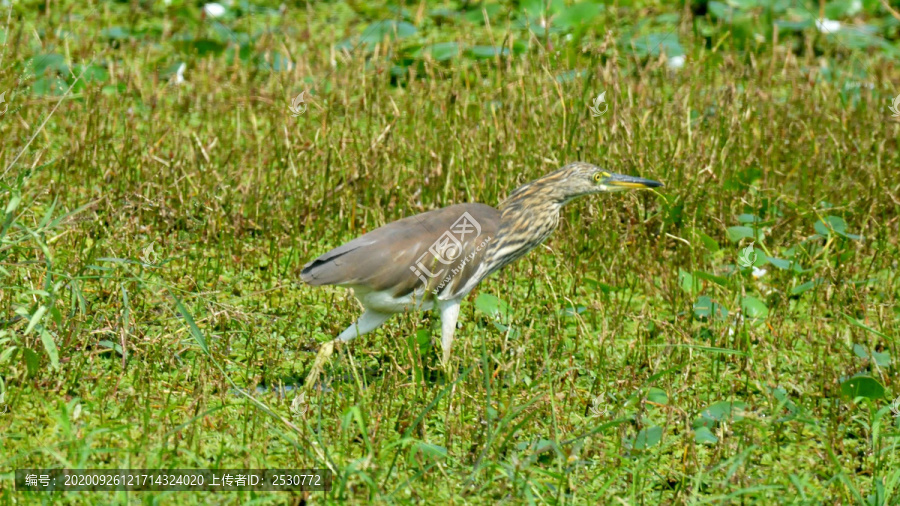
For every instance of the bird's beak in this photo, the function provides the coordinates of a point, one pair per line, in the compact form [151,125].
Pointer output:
[622,181]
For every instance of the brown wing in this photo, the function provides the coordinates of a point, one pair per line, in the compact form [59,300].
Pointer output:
[440,249]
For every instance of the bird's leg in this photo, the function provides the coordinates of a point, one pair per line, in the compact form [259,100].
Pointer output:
[369,321]
[449,316]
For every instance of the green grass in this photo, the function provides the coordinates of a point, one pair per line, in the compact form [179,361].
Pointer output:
[151,314]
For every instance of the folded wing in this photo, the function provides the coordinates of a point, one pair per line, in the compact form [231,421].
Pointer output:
[438,250]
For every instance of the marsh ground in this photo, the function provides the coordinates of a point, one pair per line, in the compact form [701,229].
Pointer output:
[157,217]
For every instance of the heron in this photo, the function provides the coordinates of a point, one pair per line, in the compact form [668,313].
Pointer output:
[434,259]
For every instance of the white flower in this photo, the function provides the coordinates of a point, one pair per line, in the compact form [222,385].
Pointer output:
[737,323]
[758,273]
[214,10]
[676,62]
[826,25]
[178,78]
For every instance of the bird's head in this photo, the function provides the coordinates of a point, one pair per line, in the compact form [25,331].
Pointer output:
[579,178]
[570,182]
[531,212]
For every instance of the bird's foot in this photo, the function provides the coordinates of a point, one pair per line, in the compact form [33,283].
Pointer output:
[445,366]
[321,358]
[445,359]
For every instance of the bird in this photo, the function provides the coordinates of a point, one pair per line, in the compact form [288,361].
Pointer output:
[432,260]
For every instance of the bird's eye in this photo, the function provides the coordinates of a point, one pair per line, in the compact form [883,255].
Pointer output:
[598,177]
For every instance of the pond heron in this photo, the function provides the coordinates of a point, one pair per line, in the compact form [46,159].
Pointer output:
[434,259]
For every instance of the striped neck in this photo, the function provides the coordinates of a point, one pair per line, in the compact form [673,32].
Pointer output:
[528,217]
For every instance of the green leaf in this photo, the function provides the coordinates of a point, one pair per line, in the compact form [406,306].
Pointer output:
[35,319]
[862,386]
[577,15]
[511,331]
[492,306]
[115,33]
[379,30]
[49,86]
[485,52]
[603,287]
[13,203]
[809,285]
[192,327]
[50,346]
[719,280]
[724,410]
[835,224]
[754,308]
[476,15]
[647,438]
[704,435]
[721,11]
[32,361]
[538,8]
[655,43]
[432,451]
[824,226]
[443,51]
[534,8]
[777,262]
[708,242]
[686,280]
[423,338]
[863,326]
[657,395]
[111,346]
[91,73]
[837,9]
[735,234]
[883,359]
[569,311]
[706,308]
[49,61]
[114,89]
